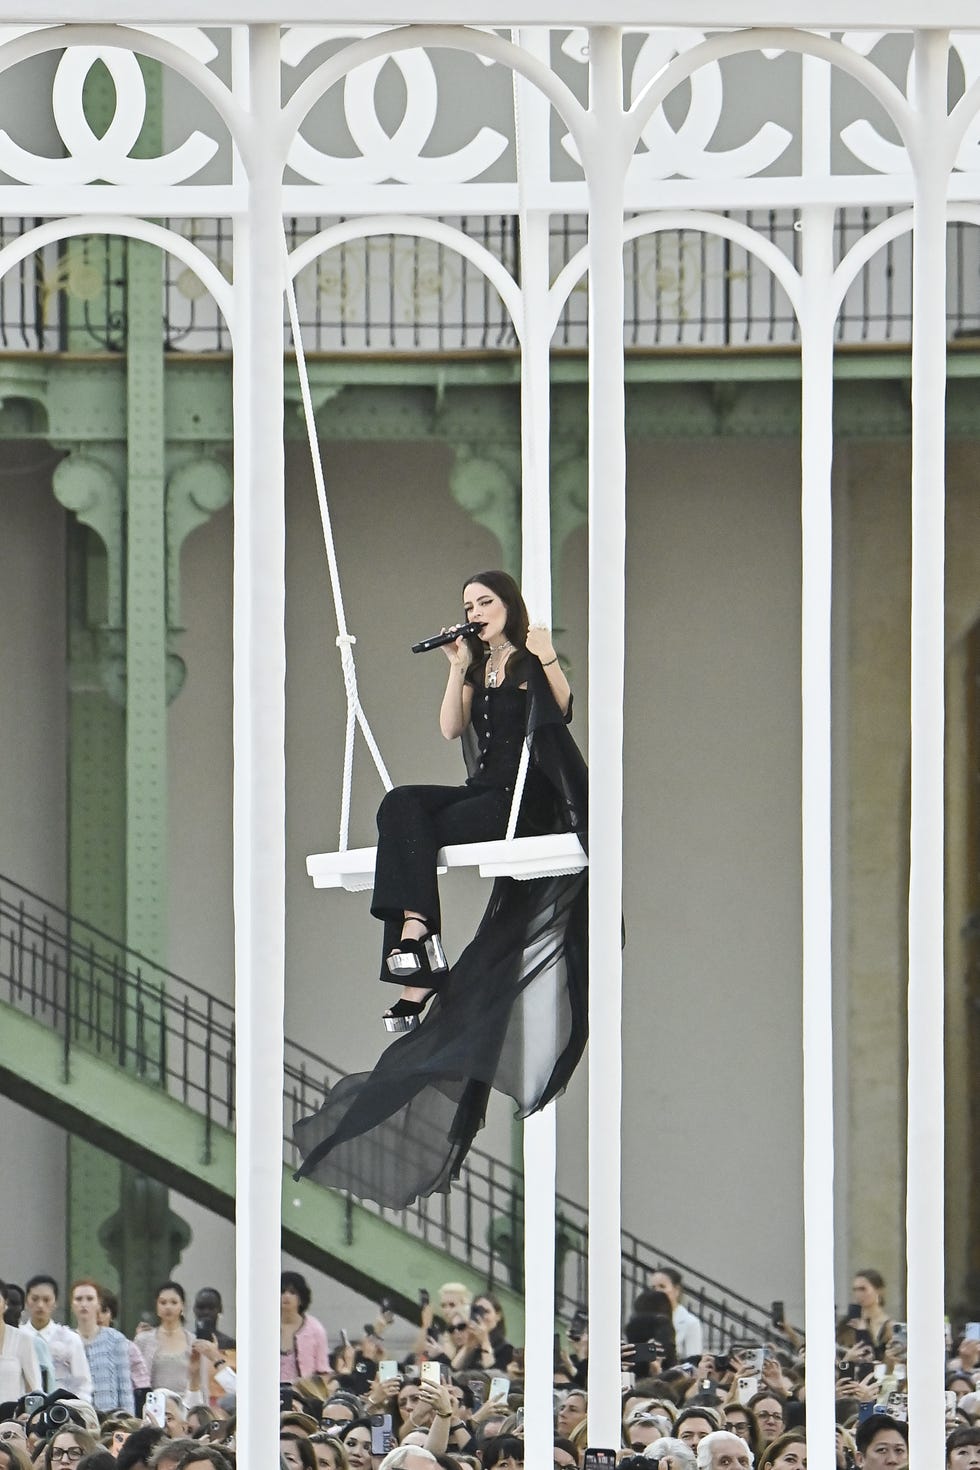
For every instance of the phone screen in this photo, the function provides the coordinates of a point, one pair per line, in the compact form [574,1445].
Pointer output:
[381,1436]
[599,1460]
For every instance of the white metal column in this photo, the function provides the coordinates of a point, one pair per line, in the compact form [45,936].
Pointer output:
[532,115]
[817,326]
[605,172]
[926,1121]
[259,774]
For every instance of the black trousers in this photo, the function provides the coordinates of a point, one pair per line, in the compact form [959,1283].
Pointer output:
[413,823]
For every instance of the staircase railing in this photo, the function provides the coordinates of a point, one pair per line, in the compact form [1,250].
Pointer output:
[101,996]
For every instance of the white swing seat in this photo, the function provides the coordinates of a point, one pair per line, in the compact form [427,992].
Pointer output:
[553,855]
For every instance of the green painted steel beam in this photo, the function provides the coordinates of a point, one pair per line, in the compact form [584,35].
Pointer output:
[136,1123]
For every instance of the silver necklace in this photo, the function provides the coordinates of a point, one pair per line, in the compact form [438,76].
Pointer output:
[493,674]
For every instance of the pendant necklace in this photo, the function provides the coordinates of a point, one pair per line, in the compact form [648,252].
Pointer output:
[494,673]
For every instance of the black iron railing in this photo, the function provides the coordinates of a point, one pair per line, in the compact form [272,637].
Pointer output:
[397,293]
[104,998]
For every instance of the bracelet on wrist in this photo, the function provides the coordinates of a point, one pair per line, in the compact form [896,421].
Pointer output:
[448,1415]
[550,662]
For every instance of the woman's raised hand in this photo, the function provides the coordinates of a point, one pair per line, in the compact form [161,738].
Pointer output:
[539,642]
[458,653]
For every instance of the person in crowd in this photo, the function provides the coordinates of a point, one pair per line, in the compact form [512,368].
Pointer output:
[788,1452]
[963,1449]
[882,1443]
[67,1352]
[207,1310]
[408,1457]
[770,1412]
[105,1348]
[343,1408]
[688,1332]
[99,1459]
[741,1420]
[139,1448]
[505,1453]
[672,1454]
[695,1423]
[116,1429]
[565,1456]
[12,1432]
[454,1296]
[303,1340]
[872,1325]
[168,1454]
[204,1457]
[19,1373]
[329,1451]
[572,1410]
[643,1430]
[168,1349]
[138,1372]
[356,1439]
[295,1450]
[485,1342]
[722,1450]
[14,1456]
[64,1449]
[14,1309]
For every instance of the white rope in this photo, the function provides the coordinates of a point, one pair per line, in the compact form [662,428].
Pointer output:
[345,639]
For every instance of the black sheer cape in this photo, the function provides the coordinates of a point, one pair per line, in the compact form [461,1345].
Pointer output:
[512,1014]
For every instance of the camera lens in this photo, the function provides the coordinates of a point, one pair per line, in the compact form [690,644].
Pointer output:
[58,1414]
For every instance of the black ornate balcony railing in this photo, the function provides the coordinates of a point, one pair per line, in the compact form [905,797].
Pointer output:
[102,997]
[397,293]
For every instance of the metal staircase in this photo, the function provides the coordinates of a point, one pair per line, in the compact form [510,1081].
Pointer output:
[112,1047]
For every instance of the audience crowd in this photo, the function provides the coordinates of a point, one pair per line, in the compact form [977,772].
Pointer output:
[88,1398]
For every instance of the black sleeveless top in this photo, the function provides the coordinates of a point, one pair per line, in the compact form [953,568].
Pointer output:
[499,720]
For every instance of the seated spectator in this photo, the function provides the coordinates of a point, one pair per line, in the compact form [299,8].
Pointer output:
[672,1454]
[295,1450]
[695,1423]
[505,1453]
[963,1449]
[571,1411]
[741,1420]
[769,1408]
[14,1456]
[882,1443]
[788,1452]
[64,1449]
[722,1450]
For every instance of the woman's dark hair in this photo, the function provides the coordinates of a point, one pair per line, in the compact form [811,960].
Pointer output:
[362,1423]
[171,1286]
[504,1444]
[499,1332]
[306,1451]
[517,624]
[874,1278]
[707,1412]
[967,1434]
[99,1459]
[293,1281]
[139,1446]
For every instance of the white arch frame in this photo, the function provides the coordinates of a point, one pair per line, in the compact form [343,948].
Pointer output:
[606,135]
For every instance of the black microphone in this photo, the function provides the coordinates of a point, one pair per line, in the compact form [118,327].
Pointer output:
[441,639]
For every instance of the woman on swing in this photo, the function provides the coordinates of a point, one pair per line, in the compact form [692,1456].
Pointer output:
[486,694]
[511,1013]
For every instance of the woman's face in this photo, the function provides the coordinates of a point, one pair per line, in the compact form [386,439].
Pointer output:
[326,1456]
[965,1457]
[289,1300]
[358,1447]
[572,1412]
[169,1307]
[488,1313]
[481,605]
[793,1457]
[769,1413]
[65,1451]
[117,1440]
[865,1294]
[738,1424]
[290,1455]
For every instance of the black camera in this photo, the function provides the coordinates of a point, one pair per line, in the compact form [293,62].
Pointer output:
[51,1414]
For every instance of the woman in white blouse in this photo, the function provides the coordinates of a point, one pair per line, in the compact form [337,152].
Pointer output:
[18,1361]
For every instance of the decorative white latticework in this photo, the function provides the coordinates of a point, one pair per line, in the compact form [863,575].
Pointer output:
[298,131]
